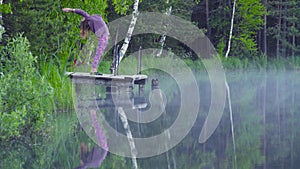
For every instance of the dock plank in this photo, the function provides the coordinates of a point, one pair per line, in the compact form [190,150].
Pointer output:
[106,79]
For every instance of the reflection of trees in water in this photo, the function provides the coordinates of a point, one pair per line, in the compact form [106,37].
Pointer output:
[91,157]
[266,112]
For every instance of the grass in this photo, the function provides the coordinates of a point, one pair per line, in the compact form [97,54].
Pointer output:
[129,64]
[54,72]
[61,148]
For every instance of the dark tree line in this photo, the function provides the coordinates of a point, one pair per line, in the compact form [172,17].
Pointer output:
[261,27]
[269,27]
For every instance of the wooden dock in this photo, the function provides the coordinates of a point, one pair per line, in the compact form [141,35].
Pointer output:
[119,90]
[107,79]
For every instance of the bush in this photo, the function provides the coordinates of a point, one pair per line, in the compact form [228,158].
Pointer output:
[25,95]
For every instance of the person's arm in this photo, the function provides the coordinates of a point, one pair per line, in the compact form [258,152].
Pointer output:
[77,11]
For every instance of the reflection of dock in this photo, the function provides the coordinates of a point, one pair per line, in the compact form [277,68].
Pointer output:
[107,79]
[119,90]
[137,102]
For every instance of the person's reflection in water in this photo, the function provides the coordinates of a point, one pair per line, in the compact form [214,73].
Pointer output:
[93,158]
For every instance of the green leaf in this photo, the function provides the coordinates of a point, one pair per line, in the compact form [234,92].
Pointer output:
[5,8]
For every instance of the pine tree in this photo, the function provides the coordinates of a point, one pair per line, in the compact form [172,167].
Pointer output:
[284,26]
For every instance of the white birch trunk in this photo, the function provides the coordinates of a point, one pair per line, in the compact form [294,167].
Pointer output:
[1,26]
[231,29]
[129,136]
[231,121]
[129,33]
[163,38]
[174,161]
[227,86]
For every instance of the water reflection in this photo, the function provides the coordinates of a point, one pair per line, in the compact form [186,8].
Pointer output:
[94,97]
[265,106]
[91,158]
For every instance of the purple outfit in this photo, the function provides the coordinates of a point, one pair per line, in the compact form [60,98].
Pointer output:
[101,139]
[98,154]
[98,26]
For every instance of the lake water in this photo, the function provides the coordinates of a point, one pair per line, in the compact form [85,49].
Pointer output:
[265,112]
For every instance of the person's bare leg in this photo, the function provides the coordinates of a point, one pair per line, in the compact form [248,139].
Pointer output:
[94,70]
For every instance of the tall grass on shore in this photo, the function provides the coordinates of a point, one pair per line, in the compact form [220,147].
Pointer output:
[54,69]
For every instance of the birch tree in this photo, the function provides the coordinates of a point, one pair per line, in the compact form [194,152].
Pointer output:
[227,86]
[231,29]
[129,136]
[1,26]
[124,47]
[163,38]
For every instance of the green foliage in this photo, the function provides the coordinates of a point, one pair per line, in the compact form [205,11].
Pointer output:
[38,20]
[90,6]
[244,46]
[56,149]
[11,122]
[129,65]
[5,8]
[62,148]
[249,16]
[294,62]
[54,72]
[121,6]
[221,47]
[24,92]
[233,63]
[260,63]
[48,29]
[248,20]
[277,64]
[115,161]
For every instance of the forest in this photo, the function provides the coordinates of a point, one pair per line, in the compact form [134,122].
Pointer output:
[39,43]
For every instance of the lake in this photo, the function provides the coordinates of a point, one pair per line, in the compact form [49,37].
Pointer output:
[159,125]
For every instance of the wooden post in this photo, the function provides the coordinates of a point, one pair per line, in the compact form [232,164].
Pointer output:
[154,84]
[113,68]
[139,66]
